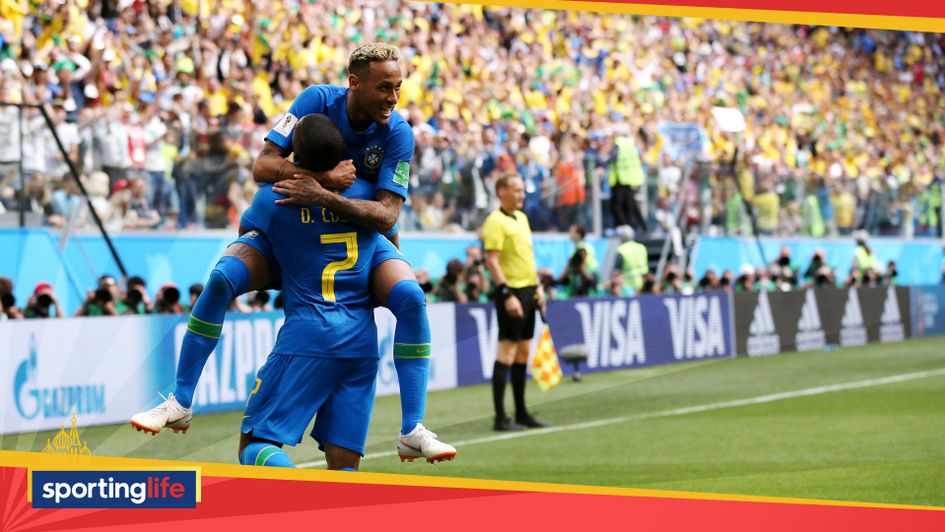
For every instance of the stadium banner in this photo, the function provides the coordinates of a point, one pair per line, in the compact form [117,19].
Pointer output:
[615,332]
[477,337]
[928,310]
[102,369]
[769,323]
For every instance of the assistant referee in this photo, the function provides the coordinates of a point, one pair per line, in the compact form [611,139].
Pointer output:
[510,259]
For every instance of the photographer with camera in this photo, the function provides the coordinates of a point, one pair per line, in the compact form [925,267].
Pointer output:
[104,300]
[576,277]
[449,288]
[136,298]
[8,301]
[476,273]
[40,303]
[167,300]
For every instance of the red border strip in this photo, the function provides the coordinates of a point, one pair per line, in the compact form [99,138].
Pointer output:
[264,503]
[848,7]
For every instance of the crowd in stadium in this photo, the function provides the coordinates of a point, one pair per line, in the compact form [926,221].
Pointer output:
[163,104]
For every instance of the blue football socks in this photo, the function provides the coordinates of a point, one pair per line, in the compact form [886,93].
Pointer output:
[261,453]
[229,279]
[411,350]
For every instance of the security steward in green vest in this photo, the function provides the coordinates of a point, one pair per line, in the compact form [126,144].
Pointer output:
[863,257]
[632,259]
[625,175]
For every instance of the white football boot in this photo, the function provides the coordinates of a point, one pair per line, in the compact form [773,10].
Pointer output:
[422,443]
[169,414]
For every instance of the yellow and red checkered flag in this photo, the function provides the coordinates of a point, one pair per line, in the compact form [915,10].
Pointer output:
[545,368]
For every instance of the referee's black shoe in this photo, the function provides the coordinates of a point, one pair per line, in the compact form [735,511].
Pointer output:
[531,422]
[503,424]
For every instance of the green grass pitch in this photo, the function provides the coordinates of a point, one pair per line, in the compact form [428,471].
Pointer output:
[696,426]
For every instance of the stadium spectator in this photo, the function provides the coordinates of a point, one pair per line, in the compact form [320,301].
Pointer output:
[43,303]
[845,114]
[767,210]
[569,178]
[510,259]
[140,213]
[64,202]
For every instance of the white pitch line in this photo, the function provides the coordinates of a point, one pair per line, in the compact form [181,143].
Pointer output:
[680,411]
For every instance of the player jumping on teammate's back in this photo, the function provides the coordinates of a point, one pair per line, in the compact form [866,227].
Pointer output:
[379,149]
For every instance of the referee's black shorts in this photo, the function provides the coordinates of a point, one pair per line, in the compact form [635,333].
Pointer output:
[515,329]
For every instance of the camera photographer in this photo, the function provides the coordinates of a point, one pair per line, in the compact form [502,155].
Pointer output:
[104,300]
[476,272]
[40,303]
[167,300]
[449,288]
[136,300]
[8,301]
[576,277]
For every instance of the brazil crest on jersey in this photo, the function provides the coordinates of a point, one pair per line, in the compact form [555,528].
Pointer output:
[381,153]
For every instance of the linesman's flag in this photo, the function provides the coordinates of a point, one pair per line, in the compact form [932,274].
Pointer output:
[545,368]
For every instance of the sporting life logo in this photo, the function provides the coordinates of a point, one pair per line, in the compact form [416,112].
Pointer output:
[32,400]
[891,329]
[852,331]
[115,489]
[810,331]
[762,334]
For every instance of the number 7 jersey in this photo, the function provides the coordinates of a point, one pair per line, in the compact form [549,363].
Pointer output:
[326,265]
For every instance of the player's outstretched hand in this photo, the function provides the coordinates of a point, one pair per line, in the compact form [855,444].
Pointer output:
[299,192]
[340,177]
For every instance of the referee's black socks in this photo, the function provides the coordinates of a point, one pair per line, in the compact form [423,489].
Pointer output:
[499,375]
[518,390]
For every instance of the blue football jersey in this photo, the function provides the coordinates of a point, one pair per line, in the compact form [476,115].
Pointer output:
[381,153]
[326,266]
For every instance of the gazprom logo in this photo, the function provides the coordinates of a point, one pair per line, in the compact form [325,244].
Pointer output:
[32,400]
[26,399]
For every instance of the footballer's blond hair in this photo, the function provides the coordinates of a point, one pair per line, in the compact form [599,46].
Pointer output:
[372,52]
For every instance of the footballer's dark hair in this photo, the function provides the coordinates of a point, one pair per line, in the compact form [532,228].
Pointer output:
[317,143]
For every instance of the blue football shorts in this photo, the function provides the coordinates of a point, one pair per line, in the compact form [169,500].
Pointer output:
[289,390]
